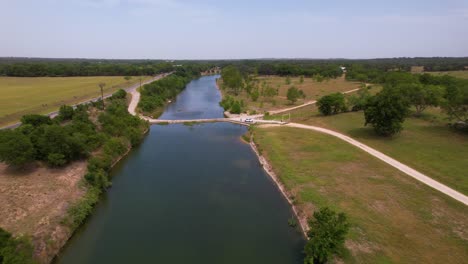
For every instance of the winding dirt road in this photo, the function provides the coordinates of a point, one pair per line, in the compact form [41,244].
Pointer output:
[392,162]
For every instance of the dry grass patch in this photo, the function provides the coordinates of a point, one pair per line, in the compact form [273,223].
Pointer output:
[395,218]
[35,200]
[312,89]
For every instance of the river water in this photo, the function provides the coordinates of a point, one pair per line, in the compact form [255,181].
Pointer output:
[189,194]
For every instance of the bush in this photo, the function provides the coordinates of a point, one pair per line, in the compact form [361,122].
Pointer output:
[332,104]
[327,234]
[65,112]
[16,148]
[120,94]
[15,250]
[56,159]
[36,120]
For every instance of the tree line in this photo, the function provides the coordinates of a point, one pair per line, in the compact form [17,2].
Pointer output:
[155,95]
[66,69]
[402,92]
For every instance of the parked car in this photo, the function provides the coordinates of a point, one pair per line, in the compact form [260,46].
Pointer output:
[249,120]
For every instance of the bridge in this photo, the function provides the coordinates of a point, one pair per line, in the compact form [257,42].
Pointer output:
[212,120]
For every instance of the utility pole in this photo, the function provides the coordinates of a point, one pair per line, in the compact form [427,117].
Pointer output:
[101,85]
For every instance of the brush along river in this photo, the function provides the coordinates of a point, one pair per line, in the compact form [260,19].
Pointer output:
[189,194]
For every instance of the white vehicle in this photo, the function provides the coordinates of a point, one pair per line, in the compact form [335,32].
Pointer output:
[249,120]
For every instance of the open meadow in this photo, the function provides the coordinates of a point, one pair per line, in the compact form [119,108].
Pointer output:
[426,144]
[42,95]
[311,88]
[394,218]
[458,74]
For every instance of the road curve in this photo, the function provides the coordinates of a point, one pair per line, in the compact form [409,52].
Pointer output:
[392,162]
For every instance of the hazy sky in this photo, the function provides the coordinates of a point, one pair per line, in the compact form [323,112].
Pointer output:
[216,29]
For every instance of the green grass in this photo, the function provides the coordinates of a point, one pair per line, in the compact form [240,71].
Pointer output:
[395,219]
[41,95]
[426,144]
[458,74]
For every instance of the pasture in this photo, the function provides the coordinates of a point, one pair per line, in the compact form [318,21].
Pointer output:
[42,95]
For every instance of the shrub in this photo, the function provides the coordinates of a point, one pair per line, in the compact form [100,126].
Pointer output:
[36,120]
[56,159]
[332,104]
[16,148]
[65,112]
[120,94]
[327,234]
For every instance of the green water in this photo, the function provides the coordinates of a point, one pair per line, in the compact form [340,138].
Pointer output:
[189,194]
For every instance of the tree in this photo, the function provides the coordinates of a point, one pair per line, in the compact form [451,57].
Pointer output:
[36,120]
[327,235]
[101,85]
[255,94]
[294,94]
[301,79]
[232,79]
[359,101]
[236,108]
[332,104]
[387,111]
[128,78]
[15,148]
[456,103]
[423,96]
[269,92]
[66,112]
[288,80]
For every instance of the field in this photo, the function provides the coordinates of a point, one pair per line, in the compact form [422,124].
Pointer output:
[42,95]
[458,74]
[312,89]
[35,200]
[426,144]
[394,218]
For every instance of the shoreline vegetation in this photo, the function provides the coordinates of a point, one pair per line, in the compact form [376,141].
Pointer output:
[117,133]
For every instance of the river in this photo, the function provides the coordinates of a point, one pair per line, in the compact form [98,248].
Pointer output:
[189,194]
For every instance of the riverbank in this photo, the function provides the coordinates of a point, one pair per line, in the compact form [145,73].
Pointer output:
[394,218]
[300,216]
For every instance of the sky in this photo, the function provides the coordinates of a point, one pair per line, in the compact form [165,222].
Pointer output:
[237,29]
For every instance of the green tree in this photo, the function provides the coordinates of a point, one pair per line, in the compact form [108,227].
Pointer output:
[255,94]
[288,80]
[232,79]
[236,108]
[332,104]
[327,235]
[15,148]
[423,96]
[359,101]
[128,78]
[301,79]
[36,120]
[65,112]
[387,111]
[293,94]
[456,103]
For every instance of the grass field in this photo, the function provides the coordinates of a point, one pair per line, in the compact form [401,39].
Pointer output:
[458,74]
[395,219]
[312,89]
[20,96]
[427,144]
